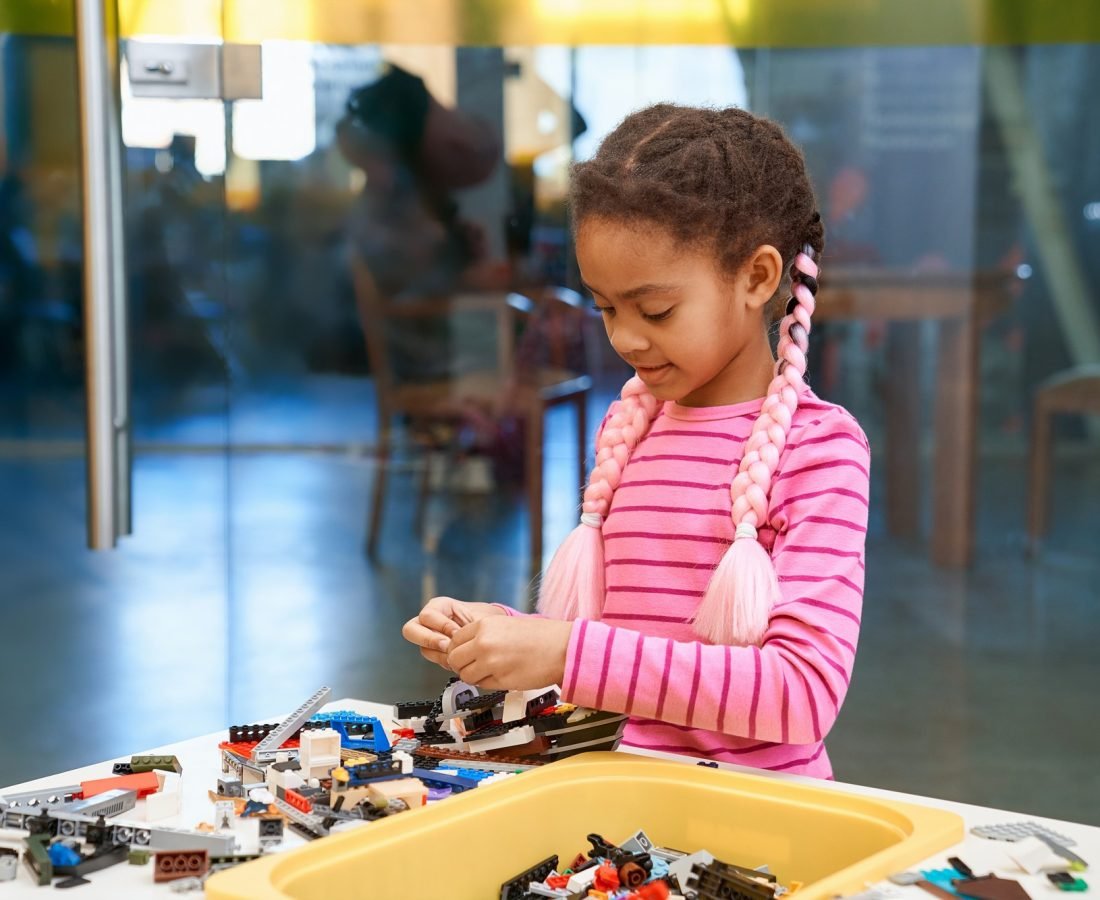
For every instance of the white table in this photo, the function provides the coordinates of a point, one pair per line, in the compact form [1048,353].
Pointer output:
[200,760]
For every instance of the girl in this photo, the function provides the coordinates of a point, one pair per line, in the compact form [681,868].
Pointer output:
[713,589]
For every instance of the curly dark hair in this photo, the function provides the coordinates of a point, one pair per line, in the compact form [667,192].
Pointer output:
[719,179]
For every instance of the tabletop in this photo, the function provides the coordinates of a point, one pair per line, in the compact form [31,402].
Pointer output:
[200,762]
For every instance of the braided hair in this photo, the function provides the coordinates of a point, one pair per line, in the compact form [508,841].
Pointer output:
[725,181]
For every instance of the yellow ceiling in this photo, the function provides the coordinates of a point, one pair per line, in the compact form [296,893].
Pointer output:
[746,23]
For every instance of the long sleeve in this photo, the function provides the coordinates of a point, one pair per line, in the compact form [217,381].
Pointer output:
[790,689]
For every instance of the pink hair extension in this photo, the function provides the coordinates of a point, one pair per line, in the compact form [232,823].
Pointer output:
[744,587]
[573,586]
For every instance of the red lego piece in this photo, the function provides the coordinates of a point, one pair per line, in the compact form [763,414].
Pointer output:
[607,877]
[244,749]
[557,881]
[403,733]
[655,890]
[145,783]
[298,801]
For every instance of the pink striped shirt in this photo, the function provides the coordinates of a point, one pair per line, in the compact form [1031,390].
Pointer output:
[669,524]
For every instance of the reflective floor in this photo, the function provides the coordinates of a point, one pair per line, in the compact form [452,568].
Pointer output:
[245,587]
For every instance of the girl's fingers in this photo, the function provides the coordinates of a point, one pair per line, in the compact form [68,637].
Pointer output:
[425,638]
[437,618]
[440,659]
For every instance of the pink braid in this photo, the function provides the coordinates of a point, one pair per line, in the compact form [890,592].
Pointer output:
[573,586]
[744,587]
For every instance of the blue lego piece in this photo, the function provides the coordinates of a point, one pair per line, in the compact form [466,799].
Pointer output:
[660,868]
[472,774]
[62,855]
[342,721]
[942,878]
[433,776]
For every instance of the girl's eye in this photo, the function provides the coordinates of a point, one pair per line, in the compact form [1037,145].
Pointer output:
[603,309]
[657,317]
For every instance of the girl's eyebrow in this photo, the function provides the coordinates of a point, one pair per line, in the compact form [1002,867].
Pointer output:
[641,290]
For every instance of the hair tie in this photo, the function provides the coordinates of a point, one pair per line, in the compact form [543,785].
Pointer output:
[745,530]
[595,520]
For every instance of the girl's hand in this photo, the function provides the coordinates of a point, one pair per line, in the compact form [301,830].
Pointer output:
[511,653]
[438,622]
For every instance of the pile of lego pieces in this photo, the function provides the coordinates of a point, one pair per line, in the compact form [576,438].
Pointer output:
[69,837]
[638,870]
[314,772]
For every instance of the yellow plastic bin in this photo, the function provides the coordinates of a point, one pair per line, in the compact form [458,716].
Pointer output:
[465,847]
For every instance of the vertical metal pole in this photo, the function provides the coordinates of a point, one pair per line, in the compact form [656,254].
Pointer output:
[104,284]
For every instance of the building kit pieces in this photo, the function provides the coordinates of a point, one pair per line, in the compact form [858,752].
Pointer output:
[144,783]
[264,751]
[169,865]
[148,763]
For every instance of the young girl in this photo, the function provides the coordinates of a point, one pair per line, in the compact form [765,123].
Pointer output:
[713,589]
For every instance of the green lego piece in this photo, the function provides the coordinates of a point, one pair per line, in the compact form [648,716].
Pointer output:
[38,860]
[149,762]
[1076,885]
[139,856]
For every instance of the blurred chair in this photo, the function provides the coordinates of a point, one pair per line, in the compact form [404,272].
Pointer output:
[1075,392]
[429,408]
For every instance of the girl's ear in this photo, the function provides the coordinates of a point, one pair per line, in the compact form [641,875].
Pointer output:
[762,274]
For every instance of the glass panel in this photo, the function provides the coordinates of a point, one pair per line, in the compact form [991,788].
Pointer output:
[947,315]
[127,648]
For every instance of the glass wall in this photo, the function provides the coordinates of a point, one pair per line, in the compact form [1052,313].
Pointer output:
[335,356]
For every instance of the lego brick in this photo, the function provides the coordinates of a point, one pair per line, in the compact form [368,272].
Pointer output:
[516,888]
[37,859]
[455,782]
[481,701]
[39,799]
[162,805]
[144,783]
[412,709]
[109,803]
[270,830]
[719,881]
[296,800]
[265,749]
[511,761]
[9,863]
[139,856]
[312,824]
[230,786]
[225,862]
[121,769]
[148,763]
[168,865]
[163,838]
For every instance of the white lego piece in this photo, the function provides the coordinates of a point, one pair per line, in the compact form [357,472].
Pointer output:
[583,880]
[1033,855]
[515,702]
[224,813]
[404,759]
[319,752]
[292,780]
[455,693]
[166,801]
[261,795]
[682,867]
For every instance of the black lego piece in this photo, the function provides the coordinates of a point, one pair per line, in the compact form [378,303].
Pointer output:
[516,888]
[73,881]
[482,701]
[102,858]
[43,824]
[122,768]
[721,881]
[98,833]
[439,737]
[710,764]
[413,709]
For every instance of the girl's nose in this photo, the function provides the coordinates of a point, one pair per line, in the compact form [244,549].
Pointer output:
[626,340]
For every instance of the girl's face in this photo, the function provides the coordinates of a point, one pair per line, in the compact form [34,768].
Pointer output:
[693,334]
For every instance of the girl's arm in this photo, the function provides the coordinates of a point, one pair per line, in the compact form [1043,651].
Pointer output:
[790,688]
